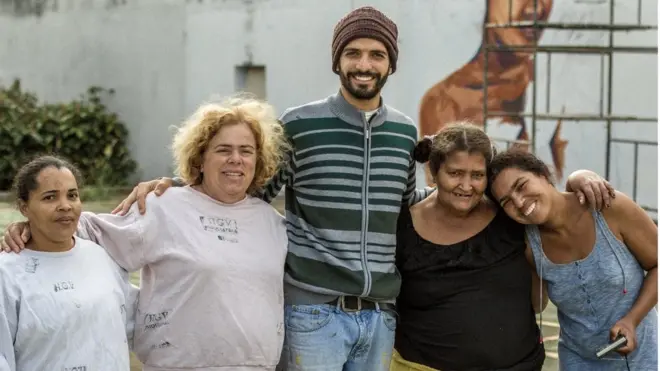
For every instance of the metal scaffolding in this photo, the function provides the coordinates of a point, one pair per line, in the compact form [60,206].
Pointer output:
[606,88]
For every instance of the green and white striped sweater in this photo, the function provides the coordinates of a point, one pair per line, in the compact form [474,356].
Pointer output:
[346,180]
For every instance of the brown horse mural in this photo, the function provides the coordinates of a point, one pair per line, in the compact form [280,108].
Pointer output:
[460,96]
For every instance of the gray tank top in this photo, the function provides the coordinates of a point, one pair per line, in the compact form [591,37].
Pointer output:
[591,295]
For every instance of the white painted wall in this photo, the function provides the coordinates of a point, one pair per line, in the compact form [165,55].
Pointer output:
[136,49]
[164,57]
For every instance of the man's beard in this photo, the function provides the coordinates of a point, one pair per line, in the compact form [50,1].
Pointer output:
[362,92]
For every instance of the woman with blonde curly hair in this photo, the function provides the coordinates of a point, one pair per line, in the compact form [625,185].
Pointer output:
[211,256]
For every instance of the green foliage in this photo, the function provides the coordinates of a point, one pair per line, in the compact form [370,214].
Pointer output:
[82,131]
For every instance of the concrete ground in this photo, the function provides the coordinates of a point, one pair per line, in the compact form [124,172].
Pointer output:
[550,335]
[550,325]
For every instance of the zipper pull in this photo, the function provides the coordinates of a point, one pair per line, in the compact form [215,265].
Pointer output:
[367,133]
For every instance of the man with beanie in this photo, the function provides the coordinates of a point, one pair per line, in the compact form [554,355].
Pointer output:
[347,176]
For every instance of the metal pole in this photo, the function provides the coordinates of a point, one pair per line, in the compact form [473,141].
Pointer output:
[601,81]
[580,117]
[534,72]
[576,26]
[610,73]
[548,75]
[578,49]
[636,158]
[485,66]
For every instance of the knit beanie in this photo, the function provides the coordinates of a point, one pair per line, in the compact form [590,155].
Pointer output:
[365,22]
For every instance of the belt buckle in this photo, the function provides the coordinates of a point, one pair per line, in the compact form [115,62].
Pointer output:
[342,305]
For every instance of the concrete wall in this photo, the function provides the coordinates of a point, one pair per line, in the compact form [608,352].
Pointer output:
[136,48]
[164,57]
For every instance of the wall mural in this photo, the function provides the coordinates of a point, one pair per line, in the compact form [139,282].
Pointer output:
[460,95]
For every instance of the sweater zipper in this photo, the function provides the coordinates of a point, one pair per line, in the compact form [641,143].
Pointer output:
[365,208]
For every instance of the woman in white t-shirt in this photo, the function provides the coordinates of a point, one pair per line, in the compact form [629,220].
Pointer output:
[64,303]
[211,256]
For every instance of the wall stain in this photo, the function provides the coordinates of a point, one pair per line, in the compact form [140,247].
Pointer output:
[23,8]
[110,4]
[249,28]
[37,8]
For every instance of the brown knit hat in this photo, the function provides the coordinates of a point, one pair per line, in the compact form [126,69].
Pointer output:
[369,23]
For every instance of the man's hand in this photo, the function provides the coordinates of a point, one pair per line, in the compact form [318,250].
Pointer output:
[590,187]
[16,236]
[139,194]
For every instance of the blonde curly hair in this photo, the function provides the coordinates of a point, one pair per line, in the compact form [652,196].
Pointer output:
[193,137]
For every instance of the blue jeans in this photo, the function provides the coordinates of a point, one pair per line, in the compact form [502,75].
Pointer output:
[324,337]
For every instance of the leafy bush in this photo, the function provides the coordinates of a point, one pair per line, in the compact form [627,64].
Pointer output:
[83,131]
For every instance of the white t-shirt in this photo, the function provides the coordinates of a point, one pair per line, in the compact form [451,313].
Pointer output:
[369,114]
[68,310]
[211,290]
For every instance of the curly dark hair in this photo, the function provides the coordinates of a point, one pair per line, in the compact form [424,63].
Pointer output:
[518,159]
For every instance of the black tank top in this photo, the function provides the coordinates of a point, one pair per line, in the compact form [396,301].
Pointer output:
[467,306]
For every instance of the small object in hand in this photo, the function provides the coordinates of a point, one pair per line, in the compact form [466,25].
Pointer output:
[619,342]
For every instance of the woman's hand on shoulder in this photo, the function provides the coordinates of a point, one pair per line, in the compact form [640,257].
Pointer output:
[140,193]
[16,235]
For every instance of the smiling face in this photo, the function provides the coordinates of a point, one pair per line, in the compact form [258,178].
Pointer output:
[364,66]
[53,207]
[229,163]
[524,196]
[461,181]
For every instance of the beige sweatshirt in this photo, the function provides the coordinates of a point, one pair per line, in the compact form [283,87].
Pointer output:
[211,282]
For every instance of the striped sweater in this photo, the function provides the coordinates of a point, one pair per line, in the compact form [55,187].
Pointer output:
[346,180]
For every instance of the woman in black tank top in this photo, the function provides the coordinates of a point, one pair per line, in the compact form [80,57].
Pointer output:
[467,305]
[469,295]
[465,301]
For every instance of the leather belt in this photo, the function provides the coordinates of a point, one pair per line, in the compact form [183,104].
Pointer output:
[356,304]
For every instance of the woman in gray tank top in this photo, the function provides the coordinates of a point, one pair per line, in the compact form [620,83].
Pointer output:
[592,263]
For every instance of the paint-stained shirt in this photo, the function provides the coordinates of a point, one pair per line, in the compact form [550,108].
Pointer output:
[65,311]
[211,295]
[346,179]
